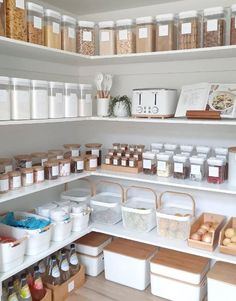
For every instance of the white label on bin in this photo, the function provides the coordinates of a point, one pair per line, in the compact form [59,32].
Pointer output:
[40,175]
[214,171]
[71,286]
[28,164]
[20,4]
[59,97]
[195,169]
[87,36]
[80,165]
[147,164]
[179,167]
[131,163]
[95,152]
[71,33]
[55,272]
[38,22]
[186,28]
[123,34]
[55,27]
[55,171]
[105,36]
[16,182]
[75,153]
[161,165]
[143,33]
[115,162]
[88,98]
[8,168]
[4,185]
[29,178]
[163,30]
[212,25]
[93,163]
[4,96]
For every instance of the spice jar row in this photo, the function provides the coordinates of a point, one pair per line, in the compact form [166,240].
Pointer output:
[23,99]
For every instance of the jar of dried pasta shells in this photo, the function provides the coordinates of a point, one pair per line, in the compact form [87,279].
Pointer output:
[52,29]
[145,34]
[165,32]
[35,19]
[86,38]
[125,37]
[68,33]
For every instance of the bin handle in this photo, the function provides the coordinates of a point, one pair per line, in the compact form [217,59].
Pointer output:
[90,183]
[18,241]
[45,229]
[179,193]
[142,188]
[111,183]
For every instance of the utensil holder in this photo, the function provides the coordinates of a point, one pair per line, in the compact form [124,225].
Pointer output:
[103,107]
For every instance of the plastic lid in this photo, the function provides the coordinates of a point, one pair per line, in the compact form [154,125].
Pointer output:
[197,160]
[4,80]
[69,19]
[71,86]
[221,151]
[213,11]
[203,149]
[106,24]
[85,87]
[93,145]
[51,163]
[56,85]
[144,20]
[186,148]
[23,157]
[86,24]
[39,83]
[39,155]
[180,158]
[124,22]
[216,161]
[52,13]
[149,155]
[20,81]
[35,7]
[26,170]
[188,14]
[72,146]
[58,215]
[165,17]
[4,176]
[168,146]
[55,152]
[164,156]
[106,200]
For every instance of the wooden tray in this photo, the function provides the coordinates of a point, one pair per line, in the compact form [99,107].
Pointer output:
[114,168]
[203,115]
[223,249]
[206,217]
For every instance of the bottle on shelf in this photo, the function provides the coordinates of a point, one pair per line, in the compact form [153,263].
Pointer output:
[29,277]
[73,260]
[11,295]
[42,268]
[53,273]
[24,292]
[37,289]
[64,267]
[16,283]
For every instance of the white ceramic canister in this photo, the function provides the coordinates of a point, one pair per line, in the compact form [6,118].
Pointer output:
[103,107]
[232,166]
[85,106]
[71,100]
[56,100]
[5,103]
[39,99]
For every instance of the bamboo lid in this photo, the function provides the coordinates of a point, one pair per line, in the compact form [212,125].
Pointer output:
[23,157]
[131,248]
[232,150]
[40,155]
[5,161]
[223,271]
[72,146]
[93,239]
[93,145]
[26,170]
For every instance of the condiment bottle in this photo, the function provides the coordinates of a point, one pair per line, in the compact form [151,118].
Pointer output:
[24,293]
[11,295]
[64,267]
[108,159]
[116,146]
[116,161]
[64,167]
[73,260]
[37,289]
[53,273]
[124,161]
[90,163]
[133,162]
[51,169]
[95,149]
[216,170]
[170,148]
[77,164]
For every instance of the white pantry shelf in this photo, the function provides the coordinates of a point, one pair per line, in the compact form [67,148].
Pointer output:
[32,51]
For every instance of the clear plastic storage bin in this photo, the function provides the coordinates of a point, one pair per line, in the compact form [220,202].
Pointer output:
[71,100]
[166,32]
[138,213]
[20,99]
[5,98]
[56,100]
[106,206]
[86,38]
[35,23]
[125,37]
[107,38]
[68,33]
[39,99]
[85,105]
[145,34]
[52,29]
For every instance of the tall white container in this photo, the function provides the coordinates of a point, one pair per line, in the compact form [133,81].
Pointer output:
[20,98]
[56,100]
[85,105]
[232,166]
[39,99]
[5,98]
[71,100]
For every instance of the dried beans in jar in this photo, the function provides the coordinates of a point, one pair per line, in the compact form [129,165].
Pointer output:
[86,38]
[35,14]
[125,37]
[145,35]
[165,32]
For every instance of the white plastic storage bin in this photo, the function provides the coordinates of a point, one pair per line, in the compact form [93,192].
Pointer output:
[80,221]
[71,100]
[61,230]
[56,100]
[38,240]
[94,265]
[5,98]
[178,276]
[128,263]
[11,254]
[139,213]
[106,206]
[20,99]
[221,282]
[39,99]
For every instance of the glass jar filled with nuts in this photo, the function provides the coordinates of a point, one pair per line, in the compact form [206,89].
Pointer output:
[86,38]
[125,37]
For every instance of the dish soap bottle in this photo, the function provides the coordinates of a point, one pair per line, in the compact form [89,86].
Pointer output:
[73,260]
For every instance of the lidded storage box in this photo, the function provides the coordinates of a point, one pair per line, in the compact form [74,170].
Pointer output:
[52,29]
[56,100]
[71,100]
[68,33]
[86,38]
[175,215]
[128,263]
[5,98]
[35,23]
[145,34]
[178,276]
[138,213]
[39,99]
[164,165]
[62,224]
[165,32]
[125,37]
[107,38]
[85,105]
[107,205]
[20,98]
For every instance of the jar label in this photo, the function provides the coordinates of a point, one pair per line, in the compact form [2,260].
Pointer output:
[28,164]
[163,30]
[74,259]
[179,167]
[60,157]
[95,152]
[37,22]
[43,160]
[212,25]
[80,165]
[115,161]
[55,27]
[71,33]
[123,162]
[65,265]
[131,163]
[123,35]
[4,96]
[87,36]
[8,168]
[75,153]
[88,98]
[186,28]
[71,286]
[29,178]
[161,165]
[214,171]
[20,4]
[93,163]
[143,33]
[55,272]
[40,175]
[16,182]
[25,292]
[4,185]
[107,161]
[147,164]
[105,36]
[55,171]
[195,169]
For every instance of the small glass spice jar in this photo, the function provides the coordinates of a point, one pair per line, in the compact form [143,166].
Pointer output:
[77,164]
[116,146]
[216,170]
[203,151]
[95,149]
[120,153]
[112,152]
[64,167]
[5,165]
[149,163]
[145,34]
[181,167]
[124,147]
[108,159]
[38,174]
[23,161]
[128,154]
[51,170]
[116,161]
[14,180]
[197,168]
[133,162]
[124,161]
[27,177]
[164,165]
[171,148]
[132,148]
[55,154]
[186,149]
[140,148]
[39,158]
[4,183]
[157,147]
[72,150]
[138,156]
[91,162]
